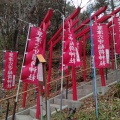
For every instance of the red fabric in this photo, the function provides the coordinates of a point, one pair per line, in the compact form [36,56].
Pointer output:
[35,46]
[101,46]
[80,48]
[117,35]
[29,74]
[10,62]
[112,47]
[35,32]
[37,41]
[71,54]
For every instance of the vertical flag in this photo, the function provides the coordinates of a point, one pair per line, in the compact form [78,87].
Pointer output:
[117,34]
[10,63]
[101,46]
[35,46]
[71,54]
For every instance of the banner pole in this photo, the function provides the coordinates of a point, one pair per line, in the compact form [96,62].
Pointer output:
[17,94]
[93,65]
[48,110]
[23,62]
[2,89]
[8,103]
[116,68]
[106,71]
[61,95]
[84,62]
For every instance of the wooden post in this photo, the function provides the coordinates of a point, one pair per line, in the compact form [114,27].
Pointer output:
[45,83]
[40,62]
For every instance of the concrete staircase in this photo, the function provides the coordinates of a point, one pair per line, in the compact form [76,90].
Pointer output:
[83,91]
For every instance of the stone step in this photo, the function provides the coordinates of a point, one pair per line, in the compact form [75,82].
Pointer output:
[23,117]
[68,102]
[98,83]
[87,86]
[70,96]
[102,90]
[33,112]
[54,107]
[84,91]
[107,81]
[82,83]
[57,101]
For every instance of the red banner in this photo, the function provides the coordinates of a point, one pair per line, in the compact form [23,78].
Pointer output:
[35,46]
[35,32]
[117,35]
[71,54]
[101,46]
[80,48]
[10,63]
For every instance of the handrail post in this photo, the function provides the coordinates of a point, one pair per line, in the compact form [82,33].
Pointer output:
[7,110]
[14,109]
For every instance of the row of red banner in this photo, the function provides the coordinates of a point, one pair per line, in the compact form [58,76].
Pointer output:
[102,45]
[71,56]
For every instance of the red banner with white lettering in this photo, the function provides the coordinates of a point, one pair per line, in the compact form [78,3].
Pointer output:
[117,34]
[10,63]
[101,46]
[71,54]
[35,46]
[79,47]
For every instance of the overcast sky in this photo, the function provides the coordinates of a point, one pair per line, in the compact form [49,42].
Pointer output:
[78,2]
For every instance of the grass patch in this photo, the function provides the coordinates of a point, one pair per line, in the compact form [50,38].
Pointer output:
[108,105]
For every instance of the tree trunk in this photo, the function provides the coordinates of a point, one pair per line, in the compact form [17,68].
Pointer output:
[112,5]
[15,37]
